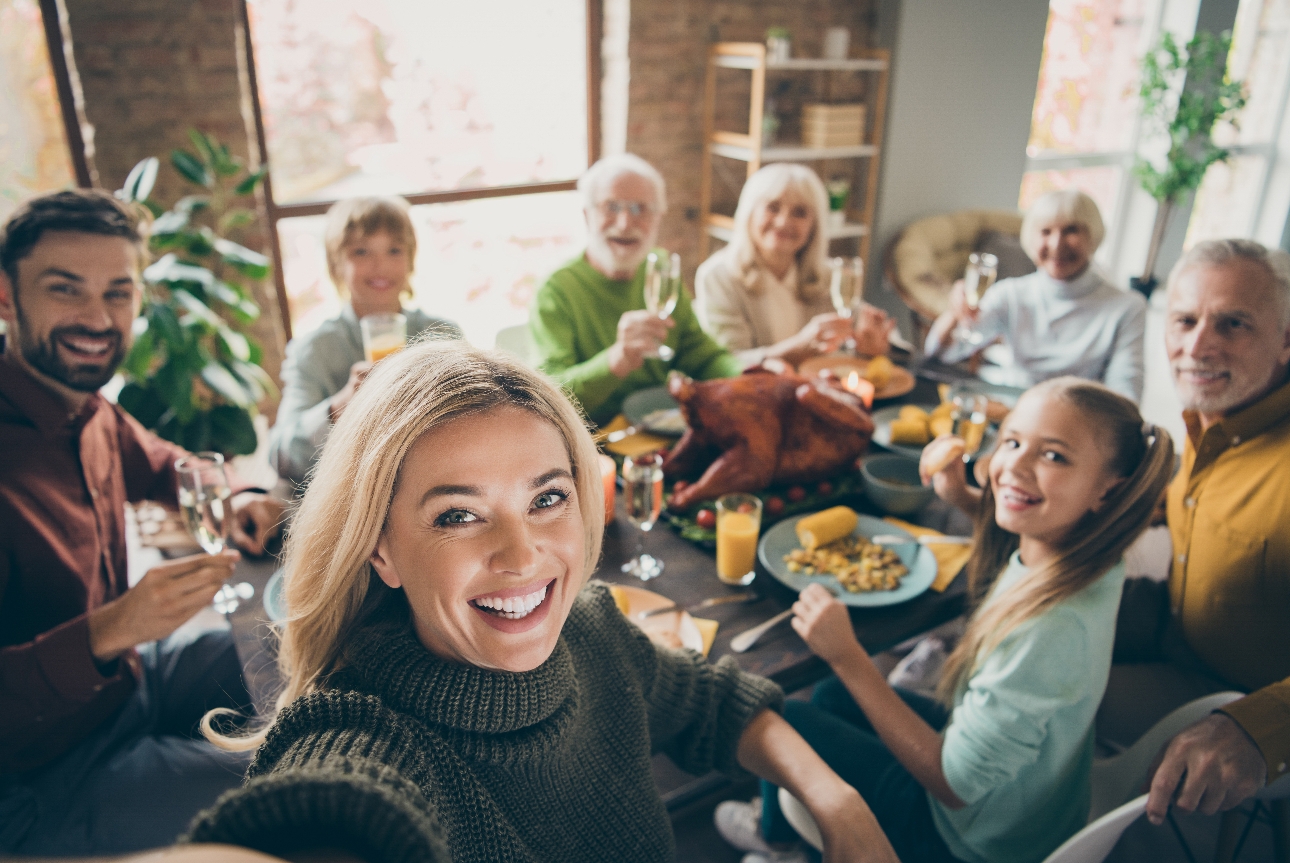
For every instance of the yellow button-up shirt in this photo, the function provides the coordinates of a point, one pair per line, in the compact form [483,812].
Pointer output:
[1229,515]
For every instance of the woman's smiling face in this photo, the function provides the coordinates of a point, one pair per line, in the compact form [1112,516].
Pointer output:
[485,537]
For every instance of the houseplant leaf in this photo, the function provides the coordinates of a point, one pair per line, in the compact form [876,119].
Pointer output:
[139,182]
[191,169]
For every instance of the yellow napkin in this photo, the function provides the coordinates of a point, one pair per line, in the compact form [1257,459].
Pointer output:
[635,444]
[708,629]
[950,559]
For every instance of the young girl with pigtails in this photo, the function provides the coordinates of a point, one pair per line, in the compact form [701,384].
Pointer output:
[998,769]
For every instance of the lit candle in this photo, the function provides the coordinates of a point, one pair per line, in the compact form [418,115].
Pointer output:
[857,385]
[608,475]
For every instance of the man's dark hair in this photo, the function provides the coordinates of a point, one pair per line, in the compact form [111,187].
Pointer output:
[88,211]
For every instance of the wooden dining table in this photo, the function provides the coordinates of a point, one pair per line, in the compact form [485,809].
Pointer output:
[689,576]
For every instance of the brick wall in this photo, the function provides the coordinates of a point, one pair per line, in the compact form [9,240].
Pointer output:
[667,49]
[149,71]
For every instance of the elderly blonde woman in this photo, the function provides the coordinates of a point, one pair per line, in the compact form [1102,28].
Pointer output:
[1063,319]
[766,294]
[371,246]
[454,689]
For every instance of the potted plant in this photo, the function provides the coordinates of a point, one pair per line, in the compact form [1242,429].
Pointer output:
[779,44]
[193,375]
[1184,92]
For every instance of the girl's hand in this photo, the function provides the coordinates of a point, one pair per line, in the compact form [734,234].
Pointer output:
[824,624]
[949,479]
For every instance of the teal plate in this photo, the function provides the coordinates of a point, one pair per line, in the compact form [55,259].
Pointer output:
[782,538]
[882,433]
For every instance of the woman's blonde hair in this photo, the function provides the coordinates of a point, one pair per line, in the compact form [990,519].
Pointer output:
[357,218]
[1066,205]
[1141,454]
[330,588]
[812,260]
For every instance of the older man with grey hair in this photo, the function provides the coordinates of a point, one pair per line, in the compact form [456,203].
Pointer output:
[589,322]
[1219,622]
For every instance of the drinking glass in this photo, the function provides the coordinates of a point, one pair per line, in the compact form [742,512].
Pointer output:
[643,496]
[662,290]
[383,334]
[738,524]
[969,417]
[204,493]
[982,270]
[846,290]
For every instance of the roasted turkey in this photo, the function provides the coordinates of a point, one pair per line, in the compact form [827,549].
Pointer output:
[762,428]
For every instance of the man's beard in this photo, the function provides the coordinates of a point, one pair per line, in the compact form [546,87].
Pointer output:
[43,356]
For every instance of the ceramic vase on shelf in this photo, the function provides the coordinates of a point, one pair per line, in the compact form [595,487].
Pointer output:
[779,45]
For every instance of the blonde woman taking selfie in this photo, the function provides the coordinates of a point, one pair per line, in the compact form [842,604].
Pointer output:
[453,687]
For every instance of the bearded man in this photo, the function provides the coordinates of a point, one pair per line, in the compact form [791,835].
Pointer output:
[99,704]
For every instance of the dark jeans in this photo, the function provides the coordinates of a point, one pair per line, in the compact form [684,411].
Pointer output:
[838,730]
[139,779]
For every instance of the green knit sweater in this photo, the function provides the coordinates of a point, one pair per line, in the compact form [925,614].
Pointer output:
[574,322]
[412,758]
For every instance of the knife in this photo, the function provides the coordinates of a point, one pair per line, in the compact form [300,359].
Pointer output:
[621,434]
[747,596]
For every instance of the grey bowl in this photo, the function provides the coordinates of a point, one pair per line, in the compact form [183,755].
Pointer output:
[891,482]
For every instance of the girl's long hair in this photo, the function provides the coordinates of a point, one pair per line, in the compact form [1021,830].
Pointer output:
[329,586]
[1140,453]
[812,260]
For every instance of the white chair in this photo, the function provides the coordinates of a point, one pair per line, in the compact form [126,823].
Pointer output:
[1114,781]
[517,342]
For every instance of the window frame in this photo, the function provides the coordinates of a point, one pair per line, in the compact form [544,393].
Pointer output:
[275,211]
[53,19]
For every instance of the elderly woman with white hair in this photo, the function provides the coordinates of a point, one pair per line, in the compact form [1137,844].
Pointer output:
[1063,319]
[454,689]
[766,294]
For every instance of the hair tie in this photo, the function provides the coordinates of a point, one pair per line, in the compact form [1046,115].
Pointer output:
[1149,433]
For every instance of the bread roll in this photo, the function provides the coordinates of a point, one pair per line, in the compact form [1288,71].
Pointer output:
[913,412]
[879,372]
[940,454]
[940,425]
[825,526]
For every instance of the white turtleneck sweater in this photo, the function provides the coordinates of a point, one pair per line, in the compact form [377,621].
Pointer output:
[1086,327]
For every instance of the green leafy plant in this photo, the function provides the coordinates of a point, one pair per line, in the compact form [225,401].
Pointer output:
[1185,92]
[193,375]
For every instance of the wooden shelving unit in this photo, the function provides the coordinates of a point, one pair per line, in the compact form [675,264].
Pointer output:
[747,147]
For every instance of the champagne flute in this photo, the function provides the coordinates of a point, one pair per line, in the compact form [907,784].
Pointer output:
[982,270]
[969,418]
[204,493]
[846,287]
[662,290]
[643,494]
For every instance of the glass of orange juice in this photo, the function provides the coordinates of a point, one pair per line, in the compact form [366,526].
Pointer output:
[383,335]
[738,523]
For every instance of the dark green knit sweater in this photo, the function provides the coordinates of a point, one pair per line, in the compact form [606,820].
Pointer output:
[411,757]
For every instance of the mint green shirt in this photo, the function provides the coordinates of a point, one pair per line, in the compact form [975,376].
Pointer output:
[1019,745]
[574,321]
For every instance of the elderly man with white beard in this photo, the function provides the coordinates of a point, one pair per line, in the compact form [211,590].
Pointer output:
[589,322]
[1219,622]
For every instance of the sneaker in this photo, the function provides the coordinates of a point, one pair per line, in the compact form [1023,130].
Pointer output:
[739,823]
[794,855]
[920,671]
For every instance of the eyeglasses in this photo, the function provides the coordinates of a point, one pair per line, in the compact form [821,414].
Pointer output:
[612,209]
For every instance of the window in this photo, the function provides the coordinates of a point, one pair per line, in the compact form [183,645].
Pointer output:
[477,113]
[1084,129]
[33,141]
[1249,195]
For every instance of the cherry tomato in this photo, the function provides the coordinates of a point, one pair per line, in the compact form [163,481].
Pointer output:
[706,519]
[797,494]
[825,488]
[774,506]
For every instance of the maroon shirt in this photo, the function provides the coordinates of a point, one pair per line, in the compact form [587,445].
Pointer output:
[64,481]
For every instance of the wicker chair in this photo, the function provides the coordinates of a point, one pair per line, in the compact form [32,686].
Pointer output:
[927,256]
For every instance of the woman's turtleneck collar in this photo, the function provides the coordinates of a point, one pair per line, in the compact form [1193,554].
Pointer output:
[1077,288]
[393,664]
